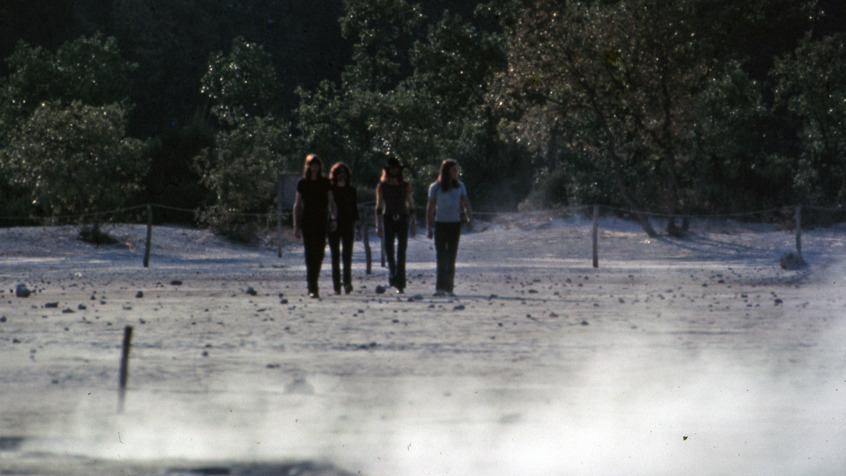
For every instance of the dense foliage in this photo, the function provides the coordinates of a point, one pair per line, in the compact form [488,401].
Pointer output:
[668,106]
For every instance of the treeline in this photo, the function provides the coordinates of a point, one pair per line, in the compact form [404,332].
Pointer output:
[680,107]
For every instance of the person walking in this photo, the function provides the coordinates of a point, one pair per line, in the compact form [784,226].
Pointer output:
[314,215]
[447,197]
[395,220]
[346,209]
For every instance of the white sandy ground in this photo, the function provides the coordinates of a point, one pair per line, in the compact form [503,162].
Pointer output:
[697,356]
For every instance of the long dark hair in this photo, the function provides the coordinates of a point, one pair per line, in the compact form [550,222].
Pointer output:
[308,160]
[386,176]
[444,178]
[337,169]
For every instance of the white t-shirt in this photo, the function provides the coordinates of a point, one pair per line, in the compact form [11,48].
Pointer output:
[448,205]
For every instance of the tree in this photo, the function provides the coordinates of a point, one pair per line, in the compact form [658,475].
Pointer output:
[241,171]
[241,84]
[381,32]
[65,113]
[251,147]
[76,159]
[620,81]
[88,69]
[811,84]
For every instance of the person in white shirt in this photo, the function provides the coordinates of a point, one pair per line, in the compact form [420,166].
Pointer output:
[447,198]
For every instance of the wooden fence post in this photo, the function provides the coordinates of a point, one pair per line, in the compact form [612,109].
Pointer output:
[124,367]
[149,243]
[595,236]
[799,230]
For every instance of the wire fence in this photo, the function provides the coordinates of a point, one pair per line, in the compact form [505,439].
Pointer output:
[276,224]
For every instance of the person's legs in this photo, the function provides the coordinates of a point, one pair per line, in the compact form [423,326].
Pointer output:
[334,249]
[453,234]
[440,256]
[389,234]
[314,241]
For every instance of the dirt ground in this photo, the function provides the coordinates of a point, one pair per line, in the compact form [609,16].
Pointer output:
[694,356]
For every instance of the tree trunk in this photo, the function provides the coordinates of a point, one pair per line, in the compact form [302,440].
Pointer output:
[642,219]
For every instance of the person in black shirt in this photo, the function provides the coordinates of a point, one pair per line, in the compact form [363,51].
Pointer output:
[314,215]
[346,207]
[395,219]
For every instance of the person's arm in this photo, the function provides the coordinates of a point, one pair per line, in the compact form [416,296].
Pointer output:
[298,214]
[333,212]
[468,211]
[379,206]
[430,216]
[409,202]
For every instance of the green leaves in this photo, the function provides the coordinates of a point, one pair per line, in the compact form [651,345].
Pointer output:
[811,84]
[241,84]
[65,113]
[88,69]
[75,159]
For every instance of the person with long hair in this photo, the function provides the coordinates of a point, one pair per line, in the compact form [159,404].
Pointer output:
[346,208]
[395,220]
[314,215]
[447,197]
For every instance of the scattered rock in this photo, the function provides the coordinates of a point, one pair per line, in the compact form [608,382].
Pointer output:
[251,291]
[22,291]
[792,261]
[380,289]
[176,282]
[459,307]
[51,305]
[139,294]
[300,386]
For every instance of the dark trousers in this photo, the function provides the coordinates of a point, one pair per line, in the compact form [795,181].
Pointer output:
[395,228]
[336,240]
[446,250]
[314,241]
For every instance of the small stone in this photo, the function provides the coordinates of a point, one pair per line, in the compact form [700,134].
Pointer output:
[176,282]
[139,294]
[51,305]
[251,291]
[22,291]
[380,289]
[792,261]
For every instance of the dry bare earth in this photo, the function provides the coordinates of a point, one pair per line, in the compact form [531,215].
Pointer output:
[698,356]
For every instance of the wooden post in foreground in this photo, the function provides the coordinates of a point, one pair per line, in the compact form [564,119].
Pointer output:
[124,367]
[149,236]
[799,230]
[595,236]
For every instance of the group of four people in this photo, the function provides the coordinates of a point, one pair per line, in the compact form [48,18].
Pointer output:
[328,207]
